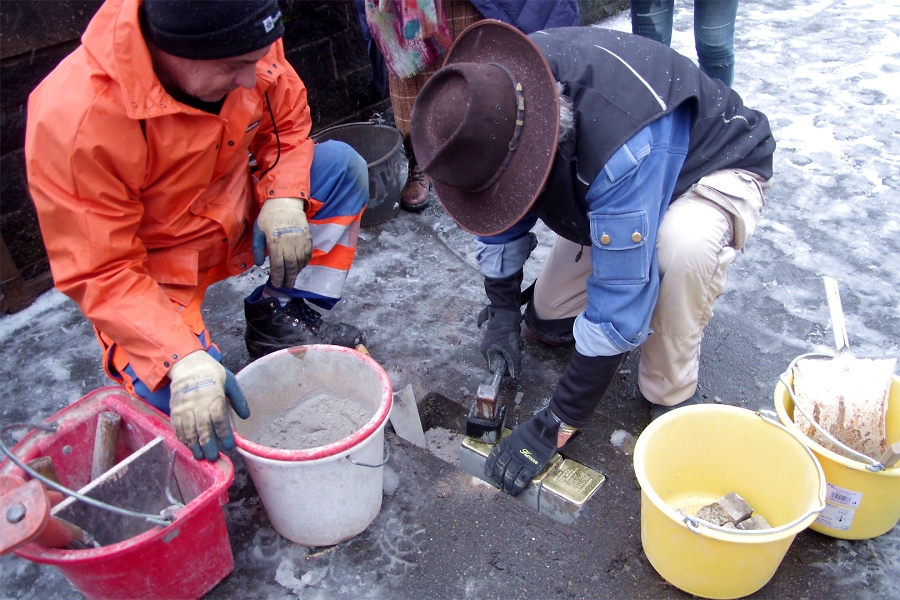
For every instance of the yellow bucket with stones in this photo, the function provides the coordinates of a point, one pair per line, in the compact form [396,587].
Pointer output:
[861,503]
[693,456]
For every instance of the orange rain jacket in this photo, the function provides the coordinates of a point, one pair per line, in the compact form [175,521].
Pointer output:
[143,201]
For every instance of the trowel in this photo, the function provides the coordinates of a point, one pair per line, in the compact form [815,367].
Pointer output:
[842,403]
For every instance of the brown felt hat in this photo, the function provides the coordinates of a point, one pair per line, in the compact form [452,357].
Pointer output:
[485,127]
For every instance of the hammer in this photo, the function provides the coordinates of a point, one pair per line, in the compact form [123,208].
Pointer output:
[486,417]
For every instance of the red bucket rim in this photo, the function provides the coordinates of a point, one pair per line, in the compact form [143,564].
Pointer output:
[354,439]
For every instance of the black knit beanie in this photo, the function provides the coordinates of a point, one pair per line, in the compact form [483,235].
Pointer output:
[211,29]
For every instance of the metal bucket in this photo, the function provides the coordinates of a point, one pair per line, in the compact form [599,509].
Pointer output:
[382,149]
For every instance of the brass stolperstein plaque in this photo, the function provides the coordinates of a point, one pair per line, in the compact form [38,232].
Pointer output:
[560,490]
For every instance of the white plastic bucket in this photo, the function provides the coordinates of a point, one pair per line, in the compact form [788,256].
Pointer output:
[316,496]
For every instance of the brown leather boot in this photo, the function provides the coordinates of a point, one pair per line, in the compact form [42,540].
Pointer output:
[415,194]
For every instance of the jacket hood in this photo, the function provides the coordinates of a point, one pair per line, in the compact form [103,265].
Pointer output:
[127,60]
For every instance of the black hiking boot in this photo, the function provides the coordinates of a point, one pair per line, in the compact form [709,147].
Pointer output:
[658,410]
[553,332]
[271,327]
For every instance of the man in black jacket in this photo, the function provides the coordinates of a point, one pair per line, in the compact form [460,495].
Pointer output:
[623,148]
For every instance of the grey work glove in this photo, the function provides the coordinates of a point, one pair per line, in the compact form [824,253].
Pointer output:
[199,388]
[283,229]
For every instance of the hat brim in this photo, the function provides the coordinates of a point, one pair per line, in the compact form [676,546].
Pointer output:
[502,205]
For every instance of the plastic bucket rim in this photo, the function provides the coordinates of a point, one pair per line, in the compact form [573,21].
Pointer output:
[788,423]
[105,398]
[367,124]
[745,537]
[370,428]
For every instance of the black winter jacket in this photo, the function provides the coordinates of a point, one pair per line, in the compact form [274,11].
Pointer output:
[621,82]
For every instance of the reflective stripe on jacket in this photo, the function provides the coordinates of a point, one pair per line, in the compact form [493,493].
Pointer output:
[140,197]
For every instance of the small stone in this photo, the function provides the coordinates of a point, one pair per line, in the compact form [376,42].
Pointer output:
[754,523]
[714,514]
[735,507]
[729,526]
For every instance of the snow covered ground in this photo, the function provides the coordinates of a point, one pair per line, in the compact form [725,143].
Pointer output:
[827,74]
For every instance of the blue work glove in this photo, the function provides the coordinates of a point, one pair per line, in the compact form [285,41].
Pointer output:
[199,387]
[521,455]
[283,229]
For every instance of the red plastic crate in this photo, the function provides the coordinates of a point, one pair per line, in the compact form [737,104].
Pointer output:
[187,558]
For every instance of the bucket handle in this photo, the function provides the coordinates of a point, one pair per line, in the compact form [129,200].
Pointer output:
[770,417]
[874,465]
[387,451]
[163,520]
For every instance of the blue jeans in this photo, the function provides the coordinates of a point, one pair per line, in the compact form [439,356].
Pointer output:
[713,31]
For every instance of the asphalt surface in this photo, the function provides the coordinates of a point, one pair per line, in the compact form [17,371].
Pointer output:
[822,72]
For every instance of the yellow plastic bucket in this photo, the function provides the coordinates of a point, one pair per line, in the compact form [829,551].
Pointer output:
[693,456]
[860,503]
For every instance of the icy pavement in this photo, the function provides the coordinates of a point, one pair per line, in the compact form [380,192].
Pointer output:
[826,73]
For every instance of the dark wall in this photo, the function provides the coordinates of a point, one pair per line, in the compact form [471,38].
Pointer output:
[322,41]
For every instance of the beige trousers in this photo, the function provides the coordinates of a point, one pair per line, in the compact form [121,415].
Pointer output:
[699,237]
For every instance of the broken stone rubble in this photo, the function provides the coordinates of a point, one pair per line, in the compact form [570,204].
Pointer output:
[732,512]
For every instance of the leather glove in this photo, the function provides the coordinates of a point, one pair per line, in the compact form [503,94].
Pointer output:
[514,462]
[199,387]
[501,338]
[503,318]
[283,228]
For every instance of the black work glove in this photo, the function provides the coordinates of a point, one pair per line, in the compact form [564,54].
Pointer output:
[501,338]
[514,462]
[504,318]
[582,386]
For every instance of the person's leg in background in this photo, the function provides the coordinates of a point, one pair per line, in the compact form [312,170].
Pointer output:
[653,19]
[714,37]
[414,197]
[281,317]
[376,59]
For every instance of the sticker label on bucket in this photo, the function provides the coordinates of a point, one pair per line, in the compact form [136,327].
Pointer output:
[836,517]
[839,495]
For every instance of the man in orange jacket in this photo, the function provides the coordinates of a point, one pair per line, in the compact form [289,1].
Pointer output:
[167,153]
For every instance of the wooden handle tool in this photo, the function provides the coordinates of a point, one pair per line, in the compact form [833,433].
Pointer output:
[105,443]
